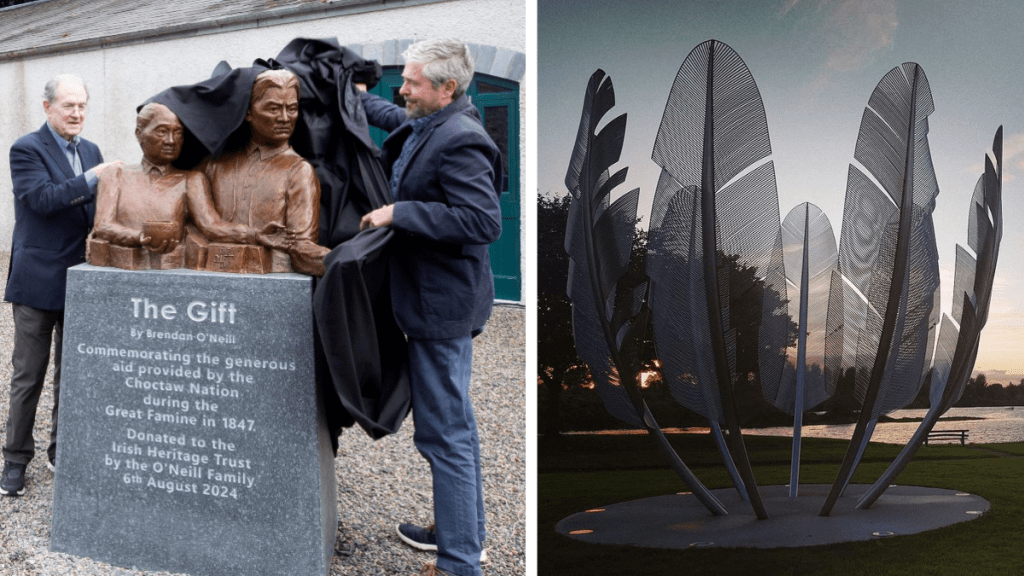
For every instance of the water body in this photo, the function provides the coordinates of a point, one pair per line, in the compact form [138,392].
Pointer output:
[996,424]
[988,425]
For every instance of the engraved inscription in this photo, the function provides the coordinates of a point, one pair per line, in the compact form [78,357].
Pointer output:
[182,419]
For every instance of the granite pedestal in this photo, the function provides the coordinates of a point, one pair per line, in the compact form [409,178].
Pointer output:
[192,436]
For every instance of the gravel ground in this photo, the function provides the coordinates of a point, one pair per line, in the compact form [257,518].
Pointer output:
[379,483]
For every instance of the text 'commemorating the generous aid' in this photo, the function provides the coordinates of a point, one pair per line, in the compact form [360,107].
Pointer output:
[183,418]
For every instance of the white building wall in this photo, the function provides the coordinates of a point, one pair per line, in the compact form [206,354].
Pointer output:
[121,78]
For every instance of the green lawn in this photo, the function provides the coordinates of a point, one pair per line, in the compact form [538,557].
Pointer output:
[580,472]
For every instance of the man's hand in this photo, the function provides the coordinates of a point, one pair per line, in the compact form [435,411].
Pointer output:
[379,217]
[99,168]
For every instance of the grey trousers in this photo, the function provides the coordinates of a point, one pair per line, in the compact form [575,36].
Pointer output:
[33,329]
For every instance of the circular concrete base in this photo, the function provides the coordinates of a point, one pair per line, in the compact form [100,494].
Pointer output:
[681,521]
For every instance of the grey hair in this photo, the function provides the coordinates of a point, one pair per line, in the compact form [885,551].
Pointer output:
[443,60]
[50,90]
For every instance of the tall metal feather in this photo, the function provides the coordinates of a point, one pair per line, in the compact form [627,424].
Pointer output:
[598,239]
[811,256]
[717,213]
[972,292]
[887,253]
[597,260]
[811,259]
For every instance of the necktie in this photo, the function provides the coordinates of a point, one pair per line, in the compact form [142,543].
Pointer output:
[76,162]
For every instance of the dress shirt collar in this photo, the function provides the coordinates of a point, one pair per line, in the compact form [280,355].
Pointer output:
[266,152]
[62,141]
[148,167]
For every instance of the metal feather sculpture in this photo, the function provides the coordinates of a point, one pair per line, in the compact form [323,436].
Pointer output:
[888,256]
[715,245]
[599,235]
[809,376]
[972,292]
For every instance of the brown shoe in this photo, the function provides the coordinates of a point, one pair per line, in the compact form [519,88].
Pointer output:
[431,569]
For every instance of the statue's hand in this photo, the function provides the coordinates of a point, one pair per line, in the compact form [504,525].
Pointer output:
[308,258]
[162,247]
[275,235]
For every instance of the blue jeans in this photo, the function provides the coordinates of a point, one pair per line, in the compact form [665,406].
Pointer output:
[446,436]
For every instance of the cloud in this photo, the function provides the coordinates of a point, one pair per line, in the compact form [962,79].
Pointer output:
[862,29]
[1013,157]
[1013,148]
[852,31]
[790,4]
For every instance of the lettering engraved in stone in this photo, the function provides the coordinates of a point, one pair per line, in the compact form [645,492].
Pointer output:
[169,387]
[124,448]
[232,462]
[118,412]
[204,358]
[150,400]
[242,478]
[230,363]
[217,313]
[177,455]
[213,390]
[171,486]
[151,437]
[133,382]
[176,335]
[213,312]
[149,310]
[171,418]
[179,371]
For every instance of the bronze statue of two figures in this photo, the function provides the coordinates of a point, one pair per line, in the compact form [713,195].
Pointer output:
[719,261]
[254,210]
[257,169]
[265,169]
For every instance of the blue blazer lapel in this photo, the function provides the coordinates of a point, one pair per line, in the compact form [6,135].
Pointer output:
[442,116]
[55,152]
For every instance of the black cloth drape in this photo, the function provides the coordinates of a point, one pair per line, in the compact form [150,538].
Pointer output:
[333,134]
[367,352]
[213,111]
[362,360]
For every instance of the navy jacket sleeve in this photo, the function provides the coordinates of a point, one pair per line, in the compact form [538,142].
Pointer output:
[471,210]
[34,181]
[382,114]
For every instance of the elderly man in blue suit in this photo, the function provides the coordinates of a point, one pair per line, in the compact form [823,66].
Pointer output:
[445,178]
[55,173]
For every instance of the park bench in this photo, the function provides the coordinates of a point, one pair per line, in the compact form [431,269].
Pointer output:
[947,434]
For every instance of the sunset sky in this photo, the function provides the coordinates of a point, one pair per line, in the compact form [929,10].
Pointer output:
[815,63]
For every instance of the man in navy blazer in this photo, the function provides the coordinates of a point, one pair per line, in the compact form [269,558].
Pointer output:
[54,171]
[445,175]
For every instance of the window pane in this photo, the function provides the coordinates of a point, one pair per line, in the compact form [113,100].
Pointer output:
[396,97]
[488,88]
[496,124]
